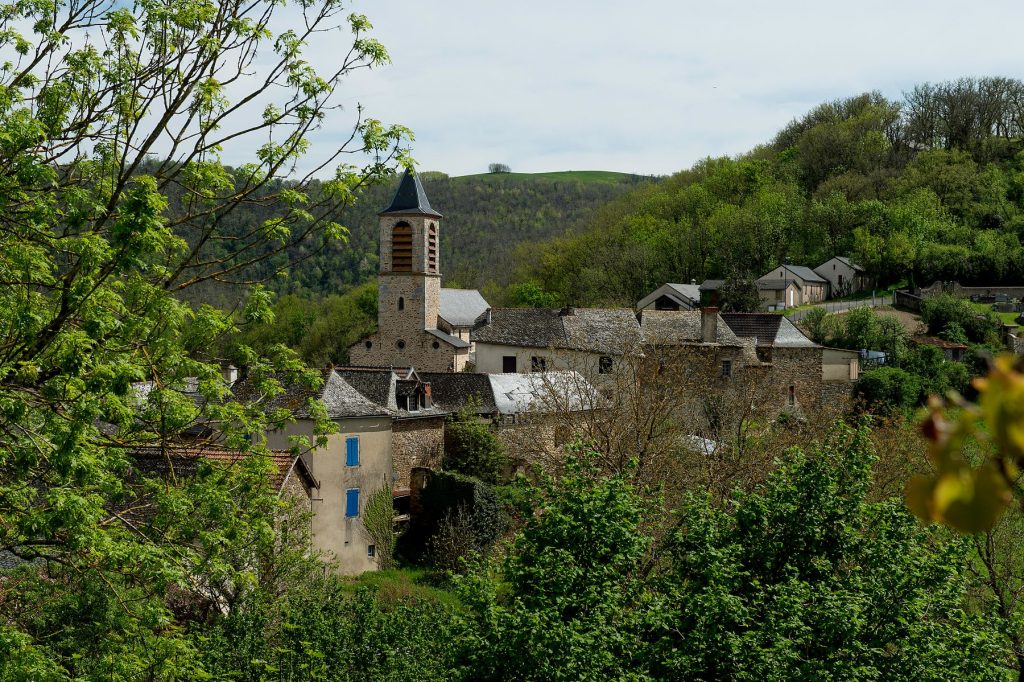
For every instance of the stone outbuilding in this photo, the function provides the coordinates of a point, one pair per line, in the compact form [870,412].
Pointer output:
[812,287]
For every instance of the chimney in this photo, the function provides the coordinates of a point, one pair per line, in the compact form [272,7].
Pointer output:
[230,374]
[709,325]
[693,282]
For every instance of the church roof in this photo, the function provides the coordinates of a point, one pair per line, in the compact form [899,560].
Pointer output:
[461,307]
[410,198]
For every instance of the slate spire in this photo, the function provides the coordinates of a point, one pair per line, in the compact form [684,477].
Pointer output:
[410,198]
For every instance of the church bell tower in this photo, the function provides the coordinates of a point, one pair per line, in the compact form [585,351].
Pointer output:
[409,291]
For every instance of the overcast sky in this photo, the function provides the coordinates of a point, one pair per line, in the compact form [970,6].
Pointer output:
[650,87]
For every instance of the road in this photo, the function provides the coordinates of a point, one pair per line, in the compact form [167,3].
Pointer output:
[840,306]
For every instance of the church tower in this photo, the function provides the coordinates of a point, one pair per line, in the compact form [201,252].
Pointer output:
[409,285]
[409,291]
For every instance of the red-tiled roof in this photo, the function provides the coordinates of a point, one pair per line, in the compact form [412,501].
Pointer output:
[940,343]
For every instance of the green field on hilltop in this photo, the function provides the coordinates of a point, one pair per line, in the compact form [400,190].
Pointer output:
[592,176]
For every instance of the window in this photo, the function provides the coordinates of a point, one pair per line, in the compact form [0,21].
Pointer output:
[369,345]
[538,364]
[726,368]
[401,247]
[401,303]
[371,551]
[352,451]
[432,248]
[403,402]
[352,502]
[435,345]
[508,364]
[400,344]
[604,365]
[792,395]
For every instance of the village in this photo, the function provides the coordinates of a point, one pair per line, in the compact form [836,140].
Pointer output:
[538,373]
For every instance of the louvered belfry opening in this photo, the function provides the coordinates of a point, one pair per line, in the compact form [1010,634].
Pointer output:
[432,249]
[401,247]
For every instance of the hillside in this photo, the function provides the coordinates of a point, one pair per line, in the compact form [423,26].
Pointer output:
[926,188]
[485,218]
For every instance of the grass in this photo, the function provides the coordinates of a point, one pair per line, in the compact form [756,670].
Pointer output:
[399,584]
[1005,318]
[588,177]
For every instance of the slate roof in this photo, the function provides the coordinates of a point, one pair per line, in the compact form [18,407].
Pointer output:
[448,338]
[542,391]
[682,326]
[683,294]
[410,198]
[376,385]
[801,271]
[599,330]
[776,284]
[461,307]
[768,329]
[450,391]
[339,397]
[711,285]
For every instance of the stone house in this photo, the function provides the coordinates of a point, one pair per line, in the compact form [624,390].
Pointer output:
[844,277]
[523,340]
[354,463]
[951,350]
[412,330]
[802,373]
[672,296]
[813,288]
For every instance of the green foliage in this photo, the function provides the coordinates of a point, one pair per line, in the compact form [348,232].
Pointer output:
[889,388]
[568,600]
[862,177]
[379,526]
[471,448]
[804,579]
[452,502]
[739,295]
[945,314]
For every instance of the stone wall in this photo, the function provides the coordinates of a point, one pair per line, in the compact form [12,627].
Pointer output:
[954,288]
[419,349]
[416,443]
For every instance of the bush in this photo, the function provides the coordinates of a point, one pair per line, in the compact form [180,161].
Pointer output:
[452,502]
[947,312]
[471,448]
[889,388]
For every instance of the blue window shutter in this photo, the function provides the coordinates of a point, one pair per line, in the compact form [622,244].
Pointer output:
[352,451]
[352,502]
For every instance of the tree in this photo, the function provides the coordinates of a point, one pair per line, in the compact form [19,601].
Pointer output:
[739,295]
[471,448]
[498,168]
[803,578]
[114,206]
[379,526]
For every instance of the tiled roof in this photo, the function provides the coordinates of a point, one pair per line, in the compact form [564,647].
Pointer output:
[938,342]
[157,461]
[375,384]
[461,307]
[768,329]
[846,261]
[681,326]
[586,329]
[338,396]
[410,198]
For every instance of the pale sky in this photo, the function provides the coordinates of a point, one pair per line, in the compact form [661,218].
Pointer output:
[651,87]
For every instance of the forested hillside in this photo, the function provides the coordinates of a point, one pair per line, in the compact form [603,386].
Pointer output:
[485,218]
[927,187]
